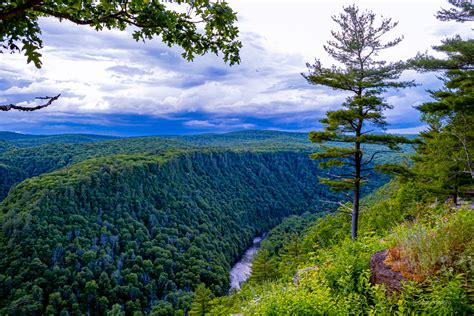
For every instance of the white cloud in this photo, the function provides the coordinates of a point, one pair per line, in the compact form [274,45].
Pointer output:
[409,130]
[220,124]
[108,72]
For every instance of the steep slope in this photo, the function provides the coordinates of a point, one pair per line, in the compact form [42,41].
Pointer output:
[318,270]
[19,164]
[143,230]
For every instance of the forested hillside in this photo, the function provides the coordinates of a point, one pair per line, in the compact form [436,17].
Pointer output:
[142,230]
[17,164]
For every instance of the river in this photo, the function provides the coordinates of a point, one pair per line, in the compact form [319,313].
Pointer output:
[240,272]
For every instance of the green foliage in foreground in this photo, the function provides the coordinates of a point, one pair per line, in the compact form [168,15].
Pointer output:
[436,241]
[201,301]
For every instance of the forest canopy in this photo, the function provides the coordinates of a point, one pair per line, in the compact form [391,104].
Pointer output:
[140,231]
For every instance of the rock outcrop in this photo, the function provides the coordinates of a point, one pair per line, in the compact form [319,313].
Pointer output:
[383,274]
[296,278]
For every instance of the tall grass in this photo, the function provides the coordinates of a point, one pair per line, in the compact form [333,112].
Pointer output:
[446,241]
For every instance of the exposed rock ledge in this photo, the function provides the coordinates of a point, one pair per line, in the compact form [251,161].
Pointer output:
[383,274]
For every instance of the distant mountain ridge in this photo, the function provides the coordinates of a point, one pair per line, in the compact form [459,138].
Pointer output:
[29,140]
[44,155]
[205,139]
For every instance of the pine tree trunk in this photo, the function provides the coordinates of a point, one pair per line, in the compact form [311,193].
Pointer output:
[355,210]
[358,167]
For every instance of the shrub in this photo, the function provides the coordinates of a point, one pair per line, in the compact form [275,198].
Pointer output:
[440,243]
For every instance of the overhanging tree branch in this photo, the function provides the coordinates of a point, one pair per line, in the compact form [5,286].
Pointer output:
[12,12]
[19,24]
[119,16]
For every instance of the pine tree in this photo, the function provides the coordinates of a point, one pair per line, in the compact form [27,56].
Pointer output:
[202,301]
[292,251]
[463,11]
[443,162]
[356,47]
[263,267]
[448,144]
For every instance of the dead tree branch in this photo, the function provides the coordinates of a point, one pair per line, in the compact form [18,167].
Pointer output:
[8,107]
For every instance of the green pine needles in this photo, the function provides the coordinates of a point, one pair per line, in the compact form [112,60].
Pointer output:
[355,48]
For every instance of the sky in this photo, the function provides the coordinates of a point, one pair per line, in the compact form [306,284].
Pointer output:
[112,85]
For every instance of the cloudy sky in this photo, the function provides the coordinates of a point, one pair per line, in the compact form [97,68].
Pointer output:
[111,84]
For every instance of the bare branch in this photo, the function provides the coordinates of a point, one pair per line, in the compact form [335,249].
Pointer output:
[374,155]
[367,132]
[341,205]
[8,107]
[345,206]
[341,176]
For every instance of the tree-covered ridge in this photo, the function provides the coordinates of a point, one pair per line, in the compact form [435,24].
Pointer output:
[28,140]
[250,138]
[17,164]
[143,230]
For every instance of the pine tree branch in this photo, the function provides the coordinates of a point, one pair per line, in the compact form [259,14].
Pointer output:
[341,176]
[367,132]
[344,206]
[463,11]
